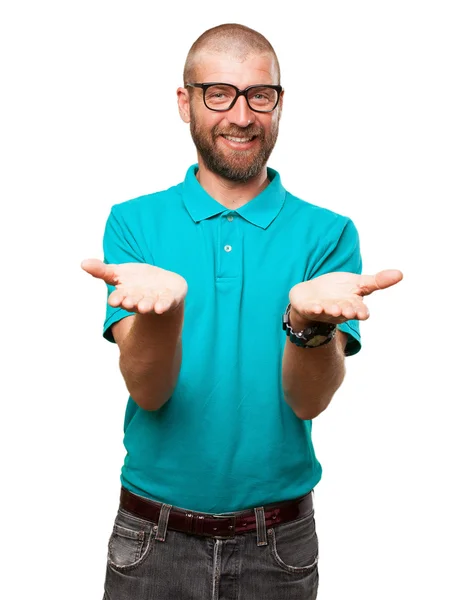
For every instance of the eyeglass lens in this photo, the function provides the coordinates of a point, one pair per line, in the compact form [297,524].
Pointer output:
[220,97]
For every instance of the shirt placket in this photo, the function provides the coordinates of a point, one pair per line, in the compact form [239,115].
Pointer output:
[230,246]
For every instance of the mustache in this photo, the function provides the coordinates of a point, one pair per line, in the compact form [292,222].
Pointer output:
[249,131]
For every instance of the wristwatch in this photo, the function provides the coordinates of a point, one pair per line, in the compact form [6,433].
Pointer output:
[316,334]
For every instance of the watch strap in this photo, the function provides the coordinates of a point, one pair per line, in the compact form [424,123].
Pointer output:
[314,335]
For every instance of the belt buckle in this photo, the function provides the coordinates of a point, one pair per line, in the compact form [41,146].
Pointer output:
[231,527]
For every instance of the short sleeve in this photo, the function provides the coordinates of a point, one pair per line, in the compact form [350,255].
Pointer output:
[119,246]
[344,255]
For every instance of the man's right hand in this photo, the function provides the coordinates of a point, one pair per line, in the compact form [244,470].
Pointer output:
[140,288]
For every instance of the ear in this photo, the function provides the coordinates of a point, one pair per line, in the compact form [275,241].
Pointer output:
[183,104]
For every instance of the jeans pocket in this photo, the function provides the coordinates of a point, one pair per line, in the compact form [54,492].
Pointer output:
[130,541]
[294,545]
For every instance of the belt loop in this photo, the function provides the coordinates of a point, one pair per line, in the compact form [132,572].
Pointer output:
[189,519]
[261,538]
[199,530]
[163,522]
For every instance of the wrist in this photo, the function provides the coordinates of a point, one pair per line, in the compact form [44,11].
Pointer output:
[305,332]
[299,323]
[153,324]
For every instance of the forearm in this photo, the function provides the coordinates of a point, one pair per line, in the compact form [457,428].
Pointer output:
[311,376]
[151,355]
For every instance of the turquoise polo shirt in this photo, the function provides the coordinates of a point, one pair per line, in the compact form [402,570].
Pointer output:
[227,440]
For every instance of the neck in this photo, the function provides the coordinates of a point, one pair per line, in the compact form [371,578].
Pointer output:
[231,194]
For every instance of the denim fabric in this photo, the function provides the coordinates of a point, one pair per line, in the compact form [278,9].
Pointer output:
[276,563]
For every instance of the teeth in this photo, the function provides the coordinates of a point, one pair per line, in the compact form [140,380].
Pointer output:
[235,139]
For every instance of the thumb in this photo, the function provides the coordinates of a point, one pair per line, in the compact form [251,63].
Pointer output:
[379,281]
[100,270]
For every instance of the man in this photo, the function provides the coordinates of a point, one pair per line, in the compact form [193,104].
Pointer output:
[217,483]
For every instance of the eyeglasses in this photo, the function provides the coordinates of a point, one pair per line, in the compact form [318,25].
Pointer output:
[222,96]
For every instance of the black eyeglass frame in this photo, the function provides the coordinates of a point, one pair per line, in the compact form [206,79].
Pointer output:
[239,93]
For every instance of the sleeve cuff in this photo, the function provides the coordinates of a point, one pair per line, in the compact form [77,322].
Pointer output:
[114,317]
[353,345]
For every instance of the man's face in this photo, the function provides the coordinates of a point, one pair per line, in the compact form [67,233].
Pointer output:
[234,160]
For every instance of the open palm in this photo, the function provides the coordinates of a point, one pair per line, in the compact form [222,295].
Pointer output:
[140,288]
[338,297]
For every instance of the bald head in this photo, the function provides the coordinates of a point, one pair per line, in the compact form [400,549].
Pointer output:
[237,41]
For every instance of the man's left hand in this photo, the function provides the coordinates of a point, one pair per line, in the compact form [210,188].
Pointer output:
[336,297]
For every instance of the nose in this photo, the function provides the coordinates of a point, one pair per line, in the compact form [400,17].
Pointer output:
[241,114]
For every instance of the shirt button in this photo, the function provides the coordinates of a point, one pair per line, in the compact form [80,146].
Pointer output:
[228,248]
[230,218]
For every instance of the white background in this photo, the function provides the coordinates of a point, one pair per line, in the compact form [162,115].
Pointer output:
[375,126]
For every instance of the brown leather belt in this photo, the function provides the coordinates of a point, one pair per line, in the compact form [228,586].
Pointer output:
[224,525]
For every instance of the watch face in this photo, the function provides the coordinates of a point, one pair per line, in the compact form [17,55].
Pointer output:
[316,340]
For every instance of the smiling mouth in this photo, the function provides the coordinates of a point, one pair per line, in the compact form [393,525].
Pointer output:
[239,140]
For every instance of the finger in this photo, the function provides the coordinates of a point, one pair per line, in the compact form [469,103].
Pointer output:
[317,309]
[131,300]
[164,301]
[115,298]
[325,310]
[354,309]
[345,310]
[127,298]
[100,270]
[348,310]
[387,278]
[168,304]
[379,281]
[332,308]
[146,305]
[360,312]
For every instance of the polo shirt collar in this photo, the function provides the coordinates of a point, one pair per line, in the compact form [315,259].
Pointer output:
[260,211]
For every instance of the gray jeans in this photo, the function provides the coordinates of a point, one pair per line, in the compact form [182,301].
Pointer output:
[276,563]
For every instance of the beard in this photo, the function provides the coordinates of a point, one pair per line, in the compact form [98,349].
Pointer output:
[234,165]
